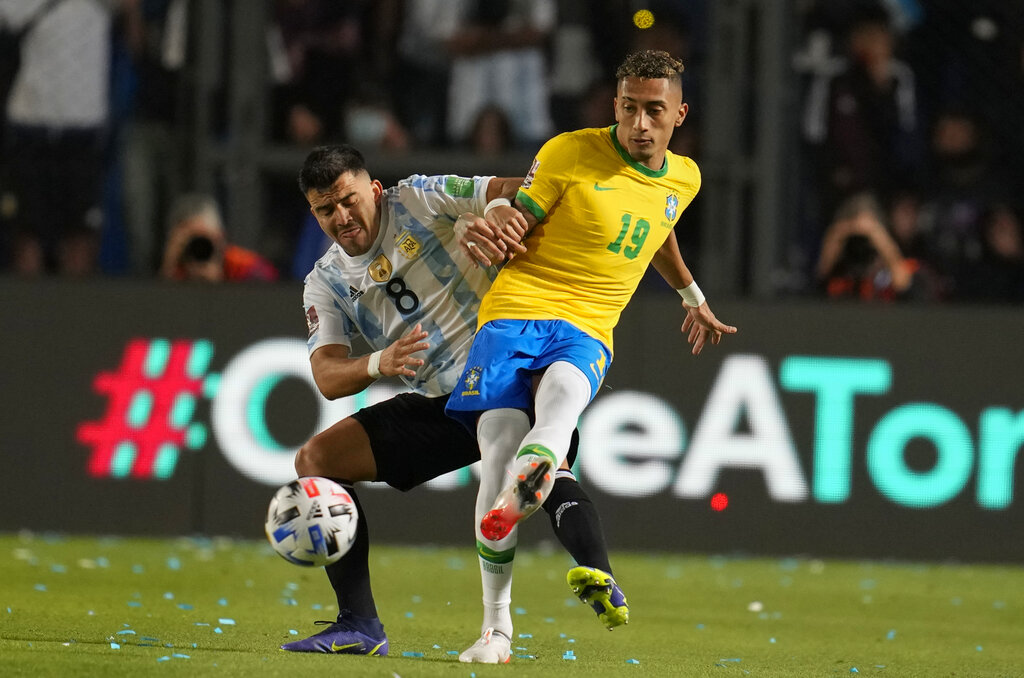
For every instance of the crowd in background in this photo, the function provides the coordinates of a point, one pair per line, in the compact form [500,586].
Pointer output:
[910,143]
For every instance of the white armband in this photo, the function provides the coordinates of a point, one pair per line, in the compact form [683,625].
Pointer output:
[373,367]
[497,202]
[691,294]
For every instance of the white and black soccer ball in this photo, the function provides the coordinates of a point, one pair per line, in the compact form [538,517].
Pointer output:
[312,521]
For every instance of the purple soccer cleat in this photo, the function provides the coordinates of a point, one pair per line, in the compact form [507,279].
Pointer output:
[348,635]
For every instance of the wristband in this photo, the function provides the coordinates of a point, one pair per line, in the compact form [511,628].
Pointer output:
[373,367]
[497,202]
[691,294]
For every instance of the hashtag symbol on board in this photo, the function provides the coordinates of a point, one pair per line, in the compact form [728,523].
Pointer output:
[152,397]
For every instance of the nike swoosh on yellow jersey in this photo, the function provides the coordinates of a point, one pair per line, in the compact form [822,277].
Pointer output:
[339,648]
[603,188]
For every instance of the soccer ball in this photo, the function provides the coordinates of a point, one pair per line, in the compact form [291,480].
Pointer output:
[312,521]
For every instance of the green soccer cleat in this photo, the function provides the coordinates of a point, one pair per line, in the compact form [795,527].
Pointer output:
[598,589]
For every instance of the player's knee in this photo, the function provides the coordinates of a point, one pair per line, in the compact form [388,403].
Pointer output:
[309,460]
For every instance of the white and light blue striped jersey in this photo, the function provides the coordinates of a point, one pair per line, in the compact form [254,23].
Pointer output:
[415,272]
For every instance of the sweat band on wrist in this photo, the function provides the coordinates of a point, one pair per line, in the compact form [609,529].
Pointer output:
[691,294]
[497,202]
[373,367]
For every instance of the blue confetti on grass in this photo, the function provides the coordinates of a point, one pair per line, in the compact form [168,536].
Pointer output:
[453,651]
[202,623]
[40,587]
[168,596]
[520,610]
[526,635]
[138,569]
[700,627]
[409,615]
[149,639]
[293,632]
[181,656]
[854,670]
[126,632]
[979,648]
[218,630]
[185,606]
[165,658]
[632,661]
[226,621]
[771,640]
[412,654]
[58,568]
[173,563]
[134,603]
[891,634]
[223,602]
[115,646]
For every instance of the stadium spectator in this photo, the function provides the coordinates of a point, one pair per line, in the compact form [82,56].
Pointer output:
[861,116]
[498,57]
[418,30]
[998,273]
[491,133]
[396,248]
[324,57]
[963,183]
[198,249]
[861,260]
[55,135]
[156,32]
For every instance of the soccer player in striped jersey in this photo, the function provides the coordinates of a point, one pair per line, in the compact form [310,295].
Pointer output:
[396,276]
[602,205]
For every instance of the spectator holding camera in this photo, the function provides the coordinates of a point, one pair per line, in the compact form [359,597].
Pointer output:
[198,249]
[860,259]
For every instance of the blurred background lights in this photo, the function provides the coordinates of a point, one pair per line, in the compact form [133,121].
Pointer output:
[643,18]
[719,501]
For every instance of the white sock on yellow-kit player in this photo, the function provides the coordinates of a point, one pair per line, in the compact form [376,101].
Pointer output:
[499,433]
[561,396]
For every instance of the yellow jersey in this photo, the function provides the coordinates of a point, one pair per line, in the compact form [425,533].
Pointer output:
[602,216]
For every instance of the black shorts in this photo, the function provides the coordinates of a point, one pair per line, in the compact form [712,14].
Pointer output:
[414,441]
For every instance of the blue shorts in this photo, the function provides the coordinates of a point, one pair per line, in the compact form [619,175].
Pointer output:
[505,356]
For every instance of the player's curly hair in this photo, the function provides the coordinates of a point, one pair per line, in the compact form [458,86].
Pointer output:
[651,63]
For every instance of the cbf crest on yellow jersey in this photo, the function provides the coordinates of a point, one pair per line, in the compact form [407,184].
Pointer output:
[602,218]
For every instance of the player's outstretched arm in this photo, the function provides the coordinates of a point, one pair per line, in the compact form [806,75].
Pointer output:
[700,323]
[337,375]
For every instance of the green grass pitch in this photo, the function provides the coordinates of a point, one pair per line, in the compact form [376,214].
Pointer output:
[73,606]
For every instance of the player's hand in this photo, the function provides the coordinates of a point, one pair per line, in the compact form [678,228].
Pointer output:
[476,238]
[702,324]
[397,360]
[509,228]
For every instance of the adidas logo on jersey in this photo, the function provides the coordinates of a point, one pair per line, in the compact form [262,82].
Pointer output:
[353,293]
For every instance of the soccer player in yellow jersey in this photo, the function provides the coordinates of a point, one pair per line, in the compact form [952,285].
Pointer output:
[601,205]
